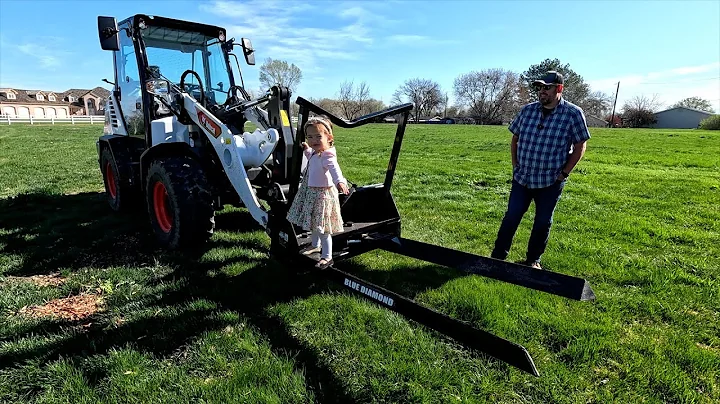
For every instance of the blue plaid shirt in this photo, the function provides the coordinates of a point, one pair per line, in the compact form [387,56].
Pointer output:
[545,143]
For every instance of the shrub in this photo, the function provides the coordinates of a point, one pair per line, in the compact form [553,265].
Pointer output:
[711,123]
[638,118]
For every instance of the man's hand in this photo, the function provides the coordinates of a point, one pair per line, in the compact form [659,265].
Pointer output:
[343,188]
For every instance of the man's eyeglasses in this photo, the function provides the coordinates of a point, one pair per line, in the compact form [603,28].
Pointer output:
[545,87]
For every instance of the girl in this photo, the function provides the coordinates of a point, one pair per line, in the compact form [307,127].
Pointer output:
[316,206]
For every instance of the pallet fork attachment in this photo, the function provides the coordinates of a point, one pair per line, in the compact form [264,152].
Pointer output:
[372,222]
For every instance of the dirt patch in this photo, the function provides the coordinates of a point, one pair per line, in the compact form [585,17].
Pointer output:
[40,280]
[48,280]
[70,308]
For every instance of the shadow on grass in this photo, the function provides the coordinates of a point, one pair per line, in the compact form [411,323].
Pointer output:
[79,231]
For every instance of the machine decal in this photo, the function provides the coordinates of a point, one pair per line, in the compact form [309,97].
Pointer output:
[369,292]
[208,124]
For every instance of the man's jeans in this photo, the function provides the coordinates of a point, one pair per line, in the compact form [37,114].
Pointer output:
[520,197]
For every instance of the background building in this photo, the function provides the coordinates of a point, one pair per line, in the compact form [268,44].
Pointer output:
[680,118]
[15,102]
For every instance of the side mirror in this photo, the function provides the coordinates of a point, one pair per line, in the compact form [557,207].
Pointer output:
[248,51]
[107,31]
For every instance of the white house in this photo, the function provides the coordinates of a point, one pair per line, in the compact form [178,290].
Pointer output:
[680,118]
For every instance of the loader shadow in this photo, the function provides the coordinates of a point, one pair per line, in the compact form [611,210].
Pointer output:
[78,231]
[52,231]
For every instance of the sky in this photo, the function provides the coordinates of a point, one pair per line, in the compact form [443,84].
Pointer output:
[657,48]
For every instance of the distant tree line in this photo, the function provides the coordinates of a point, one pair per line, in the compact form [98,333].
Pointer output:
[490,96]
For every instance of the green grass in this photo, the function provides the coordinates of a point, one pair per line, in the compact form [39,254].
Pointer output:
[639,219]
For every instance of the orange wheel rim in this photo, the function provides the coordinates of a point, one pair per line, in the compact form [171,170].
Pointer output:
[112,187]
[161,207]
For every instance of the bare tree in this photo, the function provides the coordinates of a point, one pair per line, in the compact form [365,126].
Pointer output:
[638,111]
[280,72]
[488,94]
[423,93]
[353,100]
[643,103]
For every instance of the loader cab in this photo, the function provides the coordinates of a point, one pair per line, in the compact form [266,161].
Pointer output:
[151,54]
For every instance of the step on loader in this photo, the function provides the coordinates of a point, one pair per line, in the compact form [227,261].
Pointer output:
[175,143]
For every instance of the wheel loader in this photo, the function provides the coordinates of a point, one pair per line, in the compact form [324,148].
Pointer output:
[175,143]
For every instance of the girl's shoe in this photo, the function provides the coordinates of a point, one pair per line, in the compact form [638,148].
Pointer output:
[324,263]
[312,250]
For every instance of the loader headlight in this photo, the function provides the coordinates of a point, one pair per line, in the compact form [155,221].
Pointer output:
[221,37]
[142,24]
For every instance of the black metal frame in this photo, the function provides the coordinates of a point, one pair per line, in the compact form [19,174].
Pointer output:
[379,228]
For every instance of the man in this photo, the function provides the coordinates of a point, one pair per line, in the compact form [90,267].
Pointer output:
[548,140]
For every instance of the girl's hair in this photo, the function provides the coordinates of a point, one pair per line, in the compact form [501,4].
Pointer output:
[324,121]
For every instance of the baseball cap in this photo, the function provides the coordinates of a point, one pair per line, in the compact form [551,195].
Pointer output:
[552,77]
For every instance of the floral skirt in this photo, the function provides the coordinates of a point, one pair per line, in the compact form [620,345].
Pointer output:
[316,209]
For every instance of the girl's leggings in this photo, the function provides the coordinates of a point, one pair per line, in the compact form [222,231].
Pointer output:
[325,240]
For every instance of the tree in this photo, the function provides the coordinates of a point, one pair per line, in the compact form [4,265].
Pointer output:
[488,94]
[353,100]
[328,104]
[372,105]
[696,103]
[598,103]
[614,121]
[423,93]
[274,72]
[575,89]
[639,111]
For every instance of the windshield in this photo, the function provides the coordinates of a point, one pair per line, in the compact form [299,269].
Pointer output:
[171,52]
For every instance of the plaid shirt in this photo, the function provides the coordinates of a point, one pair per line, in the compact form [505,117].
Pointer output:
[545,143]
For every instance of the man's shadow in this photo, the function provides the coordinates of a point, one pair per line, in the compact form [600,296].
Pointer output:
[79,231]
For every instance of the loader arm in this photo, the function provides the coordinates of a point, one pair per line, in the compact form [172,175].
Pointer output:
[235,152]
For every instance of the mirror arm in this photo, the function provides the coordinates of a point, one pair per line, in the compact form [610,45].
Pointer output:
[237,62]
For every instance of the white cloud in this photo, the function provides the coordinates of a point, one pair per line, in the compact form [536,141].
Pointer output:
[406,39]
[47,51]
[280,30]
[419,40]
[670,85]
[40,53]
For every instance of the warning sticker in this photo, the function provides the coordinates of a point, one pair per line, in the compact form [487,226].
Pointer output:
[284,118]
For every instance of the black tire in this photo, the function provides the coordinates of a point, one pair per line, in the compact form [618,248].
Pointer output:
[179,202]
[117,189]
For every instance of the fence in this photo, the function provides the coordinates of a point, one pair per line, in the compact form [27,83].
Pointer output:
[72,119]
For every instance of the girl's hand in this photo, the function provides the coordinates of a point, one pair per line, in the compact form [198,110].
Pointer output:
[304,145]
[343,188]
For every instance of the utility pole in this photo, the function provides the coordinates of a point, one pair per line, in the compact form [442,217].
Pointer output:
[612,118]
[446,101]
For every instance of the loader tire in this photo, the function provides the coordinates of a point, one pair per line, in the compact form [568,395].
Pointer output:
[180,204]
[118,191]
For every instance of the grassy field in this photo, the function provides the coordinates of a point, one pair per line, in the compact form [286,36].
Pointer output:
[639,219]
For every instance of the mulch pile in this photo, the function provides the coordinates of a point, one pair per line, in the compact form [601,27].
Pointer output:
[70,308]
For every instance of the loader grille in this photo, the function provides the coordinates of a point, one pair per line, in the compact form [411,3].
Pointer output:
[113,112]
